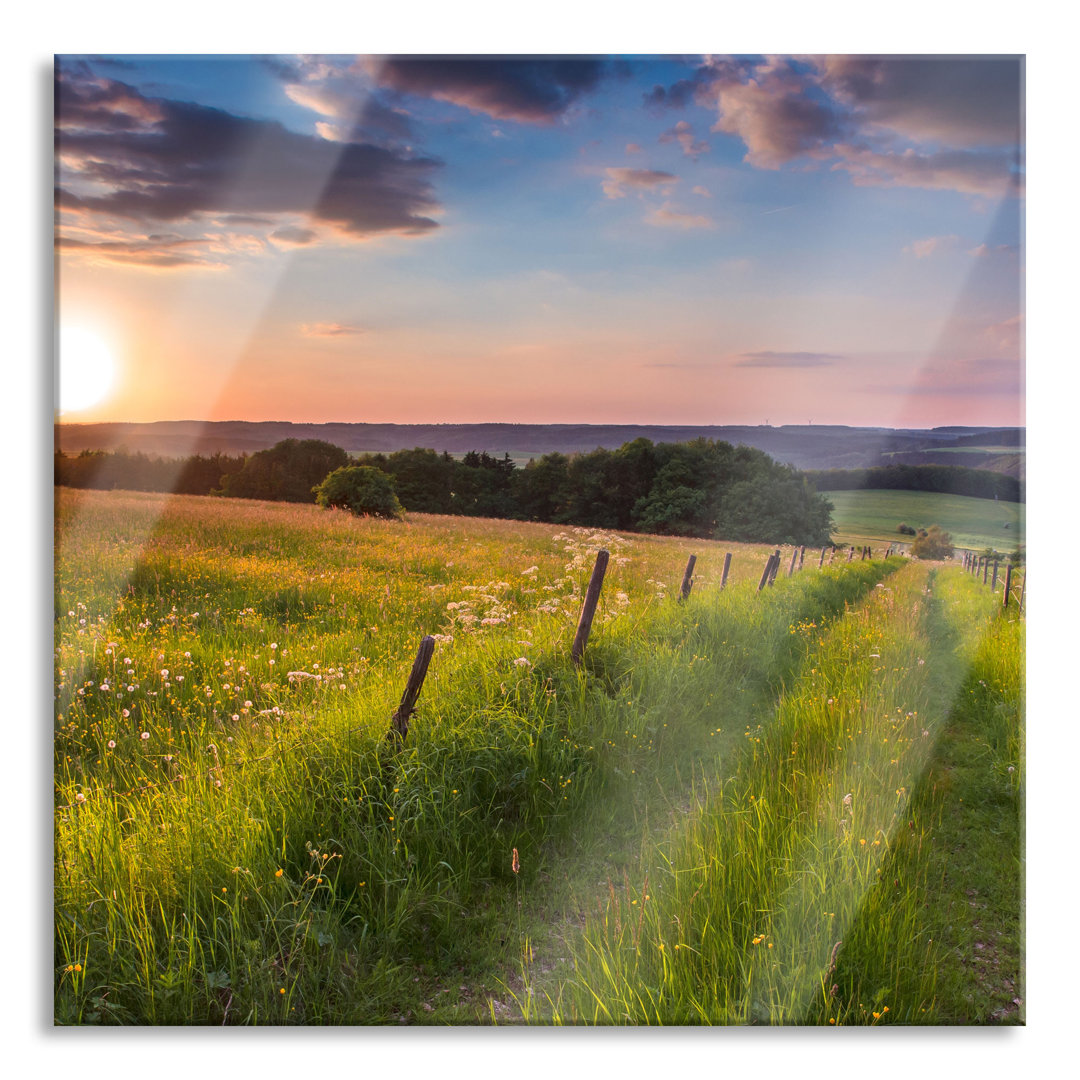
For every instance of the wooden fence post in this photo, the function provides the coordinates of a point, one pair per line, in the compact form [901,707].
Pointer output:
[765,574]
[1023,586]
[993,580]
[775,566]
[791,568]
[851,553]
[399,722]
[802,555]
[1008,584]
[727,567]
[688,577]
[821,561]
[986,568]
[588,608]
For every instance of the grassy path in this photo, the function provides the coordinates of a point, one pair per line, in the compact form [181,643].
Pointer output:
[805,889]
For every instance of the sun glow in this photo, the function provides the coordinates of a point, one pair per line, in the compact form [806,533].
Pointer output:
[87,368]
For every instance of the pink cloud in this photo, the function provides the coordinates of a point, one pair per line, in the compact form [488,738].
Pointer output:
[683,134]
[970,171]
[921,249]
[667,217]
[619,179]
[773,115]
[330,330]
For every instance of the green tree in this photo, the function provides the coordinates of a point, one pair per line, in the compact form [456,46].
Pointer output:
[361,489]
[932,543]
[287,472]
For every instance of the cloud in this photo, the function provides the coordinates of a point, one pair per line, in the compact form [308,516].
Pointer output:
[774,116]
[294,236]
[150,160]
[955,101]
[1006,336]
[633,148]
[973,172]
[619,179]
[945,123]
[921,249]
[704,192]
[666,216]
[353,112]
[683,134]
[157,252]
[535,91]
[983,251]
[770,359]
[330,330]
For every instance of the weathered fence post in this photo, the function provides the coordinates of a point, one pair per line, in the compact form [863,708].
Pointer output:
[851,553]
[821,561]
[399,722]
[986,568]
[1008,584]
[802,555]
[993,580]
[775,566]
[765,574]
[588,608]
[727,567]
[1023,586]
[791,568]
[688,577]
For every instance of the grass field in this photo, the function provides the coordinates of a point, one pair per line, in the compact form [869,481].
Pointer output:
[238,843]
[973,523]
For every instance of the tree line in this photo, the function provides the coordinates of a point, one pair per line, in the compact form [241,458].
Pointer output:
[946,479]
[701,488]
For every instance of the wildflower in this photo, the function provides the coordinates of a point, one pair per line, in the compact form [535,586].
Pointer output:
[278,872]
[144,736]
[847,799]
[80,797]
[112,744]
[521,661]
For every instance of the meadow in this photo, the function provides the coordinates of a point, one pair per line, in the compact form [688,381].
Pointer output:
[864,516]
[237,842]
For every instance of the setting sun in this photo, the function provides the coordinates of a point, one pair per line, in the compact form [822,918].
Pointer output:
[87,368]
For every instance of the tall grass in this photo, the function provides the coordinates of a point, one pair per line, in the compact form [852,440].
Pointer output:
[796,893]
[237,842]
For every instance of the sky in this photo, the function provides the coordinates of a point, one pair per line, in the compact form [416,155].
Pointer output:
[694,239]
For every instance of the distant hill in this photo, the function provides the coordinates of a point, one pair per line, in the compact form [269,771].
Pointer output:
[804,446]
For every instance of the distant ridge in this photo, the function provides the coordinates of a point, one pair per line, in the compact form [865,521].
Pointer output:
[803,445]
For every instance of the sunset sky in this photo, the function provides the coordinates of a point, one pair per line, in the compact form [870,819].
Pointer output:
[625,239]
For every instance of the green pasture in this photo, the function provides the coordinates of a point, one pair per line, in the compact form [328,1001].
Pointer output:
[735,796]
[973,523]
